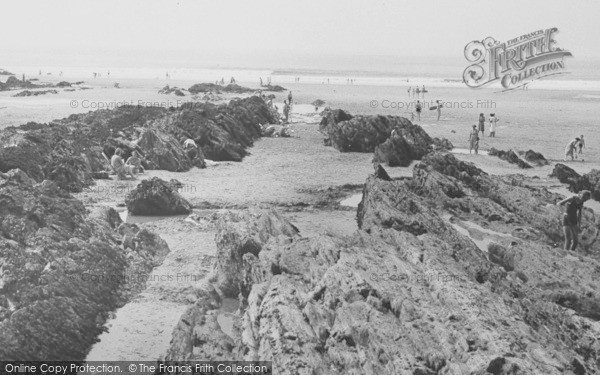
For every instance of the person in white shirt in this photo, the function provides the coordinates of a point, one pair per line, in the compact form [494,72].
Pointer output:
[493,121]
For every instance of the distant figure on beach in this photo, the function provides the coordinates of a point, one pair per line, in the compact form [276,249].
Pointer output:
[439,107]
[232,80]
[261,82]
[571,219]
[286,110]
[119,166]
[423,91]
[222,80]
[570,149]
[418,107]
[482,124]
[493,121]
[581,144]
[108,73]
[40,72]
[135,160]
[474,140]
[409,91]
[413,92]
[95,74]
[290,98]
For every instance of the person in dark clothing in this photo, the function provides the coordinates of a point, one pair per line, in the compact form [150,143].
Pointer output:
[571,219]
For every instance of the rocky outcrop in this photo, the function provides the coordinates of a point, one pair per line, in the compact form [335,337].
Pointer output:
[275,88]
[157,197]
[69,151]
[414,290]
[62,269]
[510,156]
[407,144]
[442,144]
[35,93]
[567,175]
[14,83]
[536,158]
[217,89]
[171,90]
[349,133]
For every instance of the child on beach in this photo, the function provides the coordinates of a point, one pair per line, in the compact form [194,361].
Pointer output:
[419,107]
[136,162]
[482,124]
[493,121]
[286,110]
[581,144]
[571,220]
[474,140]
[570,149]
[119,166]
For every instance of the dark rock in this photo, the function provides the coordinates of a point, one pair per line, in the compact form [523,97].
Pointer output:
[62,270]
[382,174]
[63,84]
[100,175]
[217,89]
[536,158]
[156,197]
[171,90]
[222,132]
[275,88]
[407,144]
[318,103]
[567,175]
[35,93]
[365,133]
[5,73]
[590,181]
[510,156]
[495,366]
[442,144]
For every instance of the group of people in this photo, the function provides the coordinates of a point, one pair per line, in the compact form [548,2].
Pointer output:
[416,91]
[480,128]
[131,167]
[574,148]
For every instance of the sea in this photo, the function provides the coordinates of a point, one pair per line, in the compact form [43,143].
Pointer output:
[333,69]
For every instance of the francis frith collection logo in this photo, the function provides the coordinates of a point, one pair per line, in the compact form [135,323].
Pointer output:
[514,63]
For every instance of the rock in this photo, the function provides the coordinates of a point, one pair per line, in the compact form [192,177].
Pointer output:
[318,103]
[163,151]
[442,144]
[276,131]
[365,133]
[63,84]
[100,175]
[171,90]
[408,144]
[567,175]
[217,89]
[510,156]
[35,93]
[275,88]
[535,158]
[62,270]
[156,197]
[240,234]
[382,174]
[590,181]
[70,150]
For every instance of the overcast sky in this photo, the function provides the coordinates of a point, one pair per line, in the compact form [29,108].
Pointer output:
[309,28]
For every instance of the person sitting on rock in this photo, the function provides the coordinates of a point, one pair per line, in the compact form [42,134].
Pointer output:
[119,166]
[136,162]
[571,220]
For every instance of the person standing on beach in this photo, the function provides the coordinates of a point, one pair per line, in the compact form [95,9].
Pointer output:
[409,91]
[474,140]
[581,145]
[290,98]
[571,219]
[570,149]
[418,107]
[423,91]
[482,124]
[286,110]
[493,121]
[439,107]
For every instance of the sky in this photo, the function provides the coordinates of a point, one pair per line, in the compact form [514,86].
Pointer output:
[282,31]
